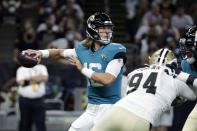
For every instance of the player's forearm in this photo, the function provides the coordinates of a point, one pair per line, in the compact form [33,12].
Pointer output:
[112,71]
[58,53]
[104,78]
[37,79]
[55,53]
[190,80]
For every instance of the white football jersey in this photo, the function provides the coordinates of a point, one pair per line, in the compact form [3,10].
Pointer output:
[34,90]
[151,92]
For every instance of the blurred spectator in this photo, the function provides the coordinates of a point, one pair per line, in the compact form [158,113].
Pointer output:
[69,41]
[167,8]
[151,31]
[11,8]
[26,26]
[152,46]
[131,8]
[67,23]
[159,1]
[144,4]
[181,19]
[63,26]
[46,9]
[49,24]
[9,84]
[31,91]
[153,12]
[28,4]
[25,40]
[171,43]
[167,31]
[10,97]
[47,31]
[134,23]
[73,10]
[194,13]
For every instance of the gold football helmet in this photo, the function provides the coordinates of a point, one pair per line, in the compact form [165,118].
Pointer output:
[161,57]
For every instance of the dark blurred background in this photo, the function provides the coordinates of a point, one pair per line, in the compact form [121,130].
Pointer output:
[142,26]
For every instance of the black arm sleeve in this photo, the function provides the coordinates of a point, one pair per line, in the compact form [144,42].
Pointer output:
[121,55]
[191,79]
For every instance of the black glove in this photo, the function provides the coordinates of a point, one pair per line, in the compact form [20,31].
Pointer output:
[172,69]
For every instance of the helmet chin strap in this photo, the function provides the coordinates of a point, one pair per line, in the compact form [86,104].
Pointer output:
[191,60]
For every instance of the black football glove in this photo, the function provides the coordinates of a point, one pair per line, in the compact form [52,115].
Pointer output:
[172,69]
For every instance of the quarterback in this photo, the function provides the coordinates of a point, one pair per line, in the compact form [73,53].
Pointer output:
[151,92]
[101,61]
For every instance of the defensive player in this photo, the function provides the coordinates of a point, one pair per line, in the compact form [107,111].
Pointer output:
[189,65]
[151,92]
[101,61]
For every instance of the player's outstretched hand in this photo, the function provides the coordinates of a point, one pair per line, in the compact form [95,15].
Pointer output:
[75,61]
[172,69]
[37,54]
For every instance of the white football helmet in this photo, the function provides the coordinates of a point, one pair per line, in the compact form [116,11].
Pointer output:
[161,57]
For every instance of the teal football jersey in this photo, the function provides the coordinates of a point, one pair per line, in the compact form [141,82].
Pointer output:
[188,68]
[97,61]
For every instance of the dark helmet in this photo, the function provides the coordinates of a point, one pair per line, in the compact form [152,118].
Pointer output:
[98,19]
[188,42]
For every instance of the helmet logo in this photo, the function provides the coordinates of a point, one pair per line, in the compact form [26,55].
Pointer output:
[91,17]
[103,56]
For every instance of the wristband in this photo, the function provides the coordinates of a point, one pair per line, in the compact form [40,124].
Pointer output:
[87,72]
[45,53]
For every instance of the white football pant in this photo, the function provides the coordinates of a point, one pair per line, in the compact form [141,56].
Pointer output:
[91,116]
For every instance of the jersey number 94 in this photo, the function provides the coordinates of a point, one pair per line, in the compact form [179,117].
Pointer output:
[148,84]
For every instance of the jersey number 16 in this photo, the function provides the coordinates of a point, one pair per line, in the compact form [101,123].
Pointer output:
[90,81]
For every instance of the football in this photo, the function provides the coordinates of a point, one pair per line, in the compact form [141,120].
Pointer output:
[27,60]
